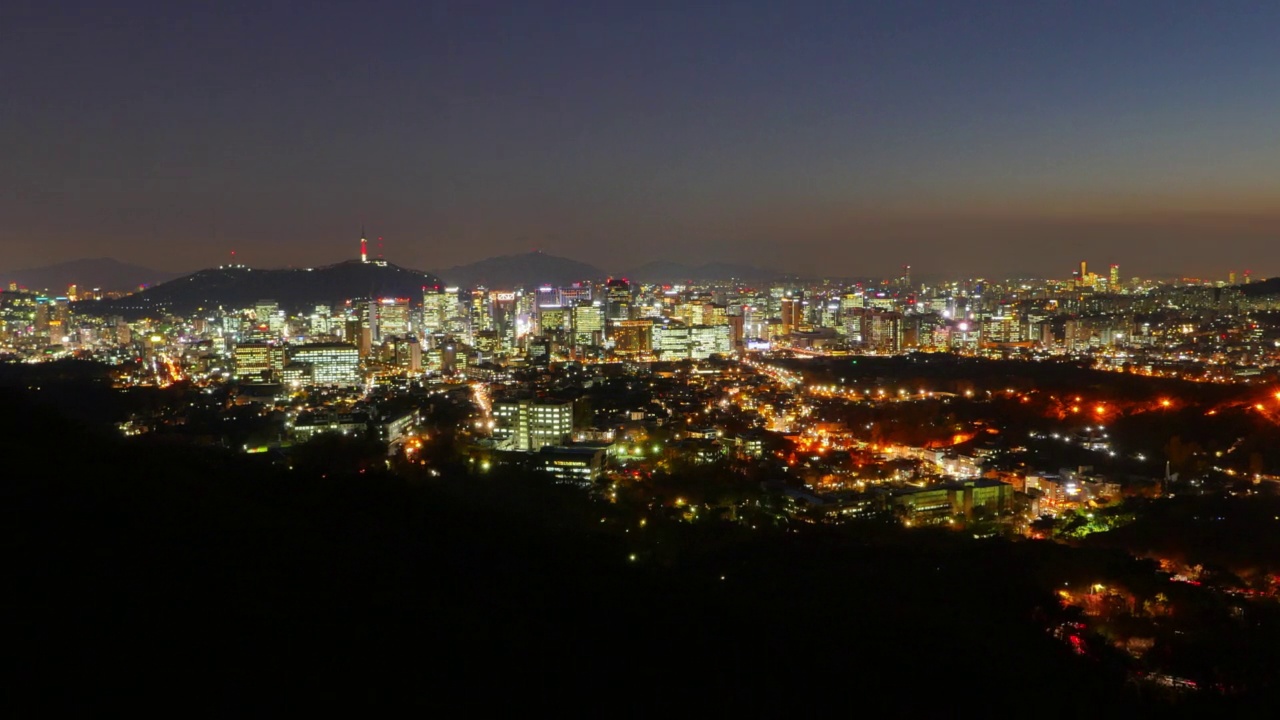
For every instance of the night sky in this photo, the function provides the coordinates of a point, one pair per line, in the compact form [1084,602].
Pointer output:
[845,138]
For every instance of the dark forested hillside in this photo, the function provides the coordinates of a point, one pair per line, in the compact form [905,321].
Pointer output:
[150,575]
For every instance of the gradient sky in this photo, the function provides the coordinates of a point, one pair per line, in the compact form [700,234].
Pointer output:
[845,138]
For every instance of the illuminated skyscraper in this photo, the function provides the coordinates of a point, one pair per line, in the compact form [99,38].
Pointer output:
[481,313]
[1114,280]
[457,321]
[504,306]
[408,354]
[671,341]
[553,320]
[263,310]
[588,324]
[792,314]
[715,314]
[548,297]
[689,312]
[437,308]
[319,321]
[331,363]
[632,337]
[17,315]
[618,295]
[575,294]
[529,425]
[708,340]
[393,318]
[258,361]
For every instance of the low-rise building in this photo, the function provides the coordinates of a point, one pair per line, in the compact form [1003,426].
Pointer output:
[577,464]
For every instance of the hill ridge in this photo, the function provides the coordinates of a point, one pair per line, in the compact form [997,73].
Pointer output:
[294,289]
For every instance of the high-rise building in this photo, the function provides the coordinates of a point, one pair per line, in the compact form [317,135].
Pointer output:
[530,425]
[319,322]
[553,320]
[708,340]
[736,325]
[689,312]
[481,312]
[575,294]
[671,341]
[1002,328]
[853,324]
[792,312]
[264,310]
[851,300]
[1114,280]
[47,323]
[393,318]
[588,325]
[458,323]
[548,297]
[632,337]
[408,354]
[57,320]
[881,331]
[504,307]
[256,362]
[715,314]
[437,308]
[618,295]
[331,363]
[17,315]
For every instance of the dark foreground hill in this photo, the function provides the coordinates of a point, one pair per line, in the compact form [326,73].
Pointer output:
[295,289]
[146,575]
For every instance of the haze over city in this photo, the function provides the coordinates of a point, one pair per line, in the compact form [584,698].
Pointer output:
[849,138]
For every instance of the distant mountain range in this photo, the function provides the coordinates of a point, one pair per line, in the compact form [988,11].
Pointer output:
[538,268]
[664,271]
[528,270]
[106,274]
[296,290]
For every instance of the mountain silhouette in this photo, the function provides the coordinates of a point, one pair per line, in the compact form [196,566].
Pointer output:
[527,270]
[667,271]
[294,289]
[107,274]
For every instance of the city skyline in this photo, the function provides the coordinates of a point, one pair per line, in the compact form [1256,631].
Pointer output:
[886,356]
[989,138]
[552,270]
